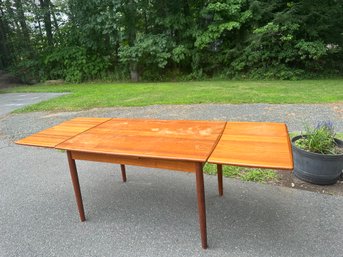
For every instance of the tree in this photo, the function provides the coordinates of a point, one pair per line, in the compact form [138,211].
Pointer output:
[5,58]
[45,6]
[149,39]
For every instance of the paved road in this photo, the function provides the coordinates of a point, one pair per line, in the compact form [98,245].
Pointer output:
[10,102]
[155,212]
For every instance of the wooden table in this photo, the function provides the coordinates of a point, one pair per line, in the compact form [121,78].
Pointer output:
[182,145]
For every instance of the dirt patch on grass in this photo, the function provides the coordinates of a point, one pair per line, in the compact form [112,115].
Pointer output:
[7,80]
[337,109]
[287,179]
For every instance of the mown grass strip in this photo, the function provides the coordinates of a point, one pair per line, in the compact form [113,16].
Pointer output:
[94,95]
[246,174]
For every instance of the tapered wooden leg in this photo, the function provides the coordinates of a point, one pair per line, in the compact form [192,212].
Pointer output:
[123,172]
[76,185]
[220,179]
[201,204]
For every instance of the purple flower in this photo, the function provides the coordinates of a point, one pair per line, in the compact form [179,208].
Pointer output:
[328,125]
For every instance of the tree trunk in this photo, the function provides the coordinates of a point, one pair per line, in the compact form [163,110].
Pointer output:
[22,21]
[54,16]
[134,74]
[131,16]
[4,53]
[5,58]
[37,18]
[45,6]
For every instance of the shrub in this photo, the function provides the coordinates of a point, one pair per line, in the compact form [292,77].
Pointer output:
[75,64]
[320,139]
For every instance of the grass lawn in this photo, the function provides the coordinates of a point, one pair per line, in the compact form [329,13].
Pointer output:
[246,174]
[91,95]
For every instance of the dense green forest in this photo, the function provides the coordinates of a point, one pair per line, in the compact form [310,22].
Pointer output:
[80,40]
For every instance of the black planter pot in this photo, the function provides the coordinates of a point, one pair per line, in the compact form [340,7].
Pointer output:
[320,169]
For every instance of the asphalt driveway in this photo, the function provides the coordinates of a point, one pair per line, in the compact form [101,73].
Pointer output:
[12,101]
[155,212]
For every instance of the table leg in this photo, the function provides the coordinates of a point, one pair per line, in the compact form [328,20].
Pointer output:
[76,185]
[201,203]
[220,179]
[123,172]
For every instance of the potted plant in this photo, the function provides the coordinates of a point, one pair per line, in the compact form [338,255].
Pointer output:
[318,155]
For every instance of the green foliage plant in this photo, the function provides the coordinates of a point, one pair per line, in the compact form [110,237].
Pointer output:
[74,64]
[148,52]
[79,40]
[320,139]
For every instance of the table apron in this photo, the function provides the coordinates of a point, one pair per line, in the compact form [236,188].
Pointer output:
[179,165]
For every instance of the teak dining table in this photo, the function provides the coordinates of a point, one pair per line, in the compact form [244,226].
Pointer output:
[182,145]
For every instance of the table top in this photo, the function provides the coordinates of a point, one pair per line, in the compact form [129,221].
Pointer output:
[167,139]
[249,144]
[254,144]
[55,135]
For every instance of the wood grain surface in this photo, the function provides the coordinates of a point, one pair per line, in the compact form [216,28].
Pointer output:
[254,144]
[250,144]
[57,134]
[188,166]
[165,139]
